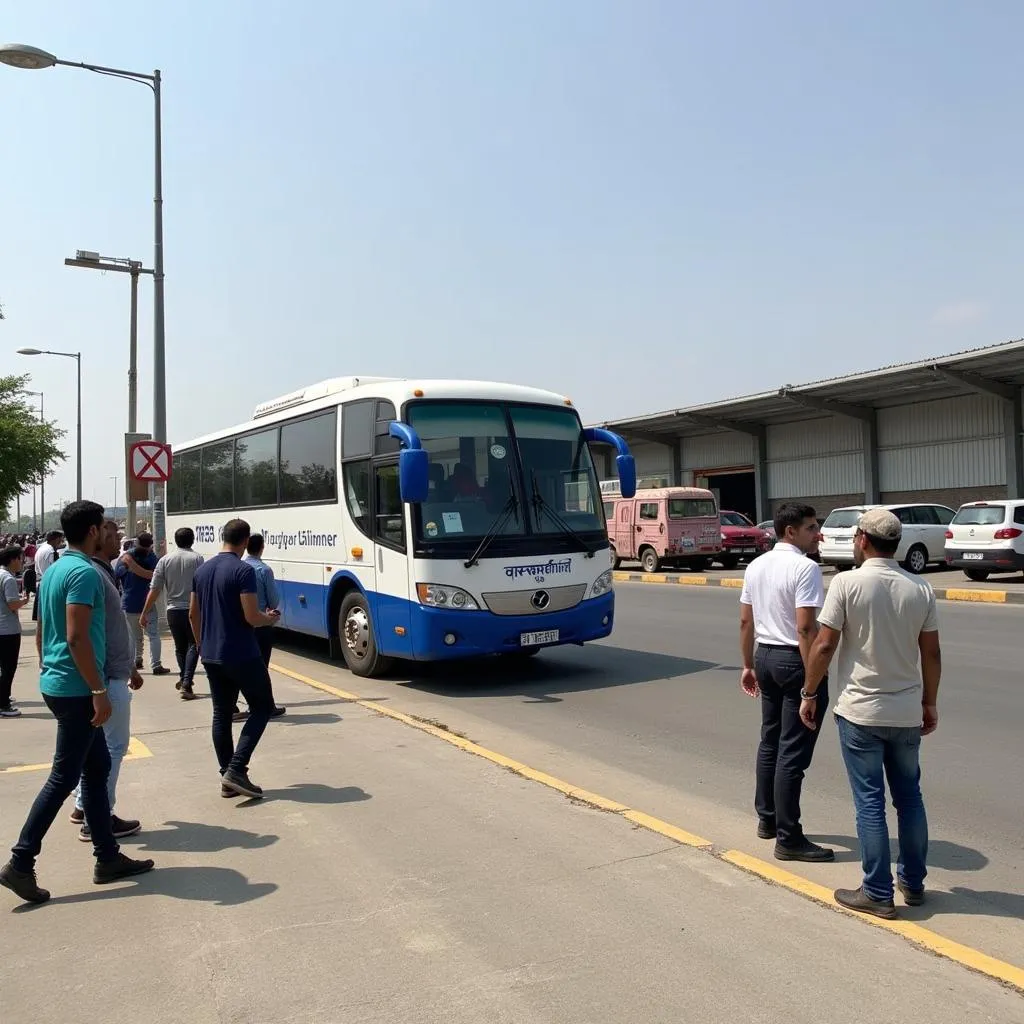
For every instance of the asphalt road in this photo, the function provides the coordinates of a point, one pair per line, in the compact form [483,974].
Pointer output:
[654,717]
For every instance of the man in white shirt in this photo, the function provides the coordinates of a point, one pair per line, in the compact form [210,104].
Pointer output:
[782,592]
[885,618]
[46,555]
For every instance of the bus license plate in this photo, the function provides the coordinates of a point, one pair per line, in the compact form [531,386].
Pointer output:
[973,556]
[547,636]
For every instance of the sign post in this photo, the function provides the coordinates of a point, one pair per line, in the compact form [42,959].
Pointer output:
[149,466]
[134,490]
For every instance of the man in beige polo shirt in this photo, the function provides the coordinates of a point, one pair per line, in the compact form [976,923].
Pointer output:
[883,622]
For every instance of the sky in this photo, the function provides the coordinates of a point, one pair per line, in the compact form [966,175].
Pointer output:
[644,204]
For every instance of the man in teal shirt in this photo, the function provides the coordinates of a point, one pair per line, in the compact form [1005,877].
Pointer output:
[71,641]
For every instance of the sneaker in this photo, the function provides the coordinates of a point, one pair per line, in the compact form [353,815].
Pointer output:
[187,693]
[912,897]
[23,884]
[278,712]
[858,899]
[239,716]
[179,684]
[227,792]
[161,670]
[807,852]
[118,868]
[766,829]
[77,817]
[10,712]
[122,829]
[240,783]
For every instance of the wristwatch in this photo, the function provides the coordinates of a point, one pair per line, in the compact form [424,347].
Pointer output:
[96,693]
[804,695]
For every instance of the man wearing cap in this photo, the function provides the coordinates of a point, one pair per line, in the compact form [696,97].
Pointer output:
[889,666]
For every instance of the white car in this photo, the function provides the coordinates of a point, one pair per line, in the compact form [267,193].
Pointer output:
[987,537]
[923,541]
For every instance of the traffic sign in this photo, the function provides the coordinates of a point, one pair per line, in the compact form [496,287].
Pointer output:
[150,462]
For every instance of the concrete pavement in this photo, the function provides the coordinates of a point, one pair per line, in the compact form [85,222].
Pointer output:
[389,877]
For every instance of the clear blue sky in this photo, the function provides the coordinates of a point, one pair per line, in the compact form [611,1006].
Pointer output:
[641,204]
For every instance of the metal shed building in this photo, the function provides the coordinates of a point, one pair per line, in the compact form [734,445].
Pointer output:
[945,430]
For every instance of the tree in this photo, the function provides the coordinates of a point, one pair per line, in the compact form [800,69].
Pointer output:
[28,448]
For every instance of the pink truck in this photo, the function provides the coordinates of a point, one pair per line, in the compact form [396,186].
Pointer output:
[666,526]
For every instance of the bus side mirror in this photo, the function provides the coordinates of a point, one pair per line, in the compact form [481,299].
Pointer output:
[626,465]
[624,462]
[414,475]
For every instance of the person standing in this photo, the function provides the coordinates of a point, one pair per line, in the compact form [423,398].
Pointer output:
[46,555]
[71,642]
[225,614]
[782,592]
[885,618]
[11,603]
[173,577]
[122,677]
[134,573]
[267,599]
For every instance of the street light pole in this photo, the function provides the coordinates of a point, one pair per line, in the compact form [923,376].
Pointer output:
[42,476]
[77,356]
[19,55]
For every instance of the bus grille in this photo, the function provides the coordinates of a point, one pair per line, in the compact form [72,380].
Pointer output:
[521,602]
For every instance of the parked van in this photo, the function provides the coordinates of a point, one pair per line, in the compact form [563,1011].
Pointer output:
[665,526]
[923,541]
[987,537]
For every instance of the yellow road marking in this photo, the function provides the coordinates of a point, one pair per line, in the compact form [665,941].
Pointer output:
[980,596]
[915,933]
[692,581]
[728,581]
[136,750]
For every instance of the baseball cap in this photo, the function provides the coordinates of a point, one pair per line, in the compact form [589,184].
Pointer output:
[880,523]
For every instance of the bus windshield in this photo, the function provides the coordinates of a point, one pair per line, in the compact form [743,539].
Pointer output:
[516,469]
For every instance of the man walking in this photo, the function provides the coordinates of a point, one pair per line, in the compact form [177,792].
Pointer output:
[11,603]
[134,573]
[173,576]
[122,677]
[267,599]
[71,642]
[782,592]
[885,618]
[225,614]
[46,555]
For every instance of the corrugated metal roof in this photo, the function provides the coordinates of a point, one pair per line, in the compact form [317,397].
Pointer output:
[897,384]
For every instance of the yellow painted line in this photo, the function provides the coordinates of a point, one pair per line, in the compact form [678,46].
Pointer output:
[692,581]
[622,577]
[652,577]
[979,596]
[733,584]
[136,750]
[933,942]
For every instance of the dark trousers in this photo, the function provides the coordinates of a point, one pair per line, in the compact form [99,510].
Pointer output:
[227,680]
[787,745]
[81,753]
[10,649]
[185,650]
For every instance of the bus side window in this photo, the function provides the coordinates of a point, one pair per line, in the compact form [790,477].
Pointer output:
[357,494]
[390,514]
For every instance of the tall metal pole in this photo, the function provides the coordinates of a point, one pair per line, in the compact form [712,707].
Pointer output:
[78,360]
[133,394]
[42,477]
[159,378]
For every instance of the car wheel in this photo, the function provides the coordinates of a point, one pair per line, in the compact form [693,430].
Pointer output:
[729,561]
[649,560]
[916,560]
[699,564]
[977,575]
[616,561]
[358,644]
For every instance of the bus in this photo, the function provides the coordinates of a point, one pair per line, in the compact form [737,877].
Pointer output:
[415,519]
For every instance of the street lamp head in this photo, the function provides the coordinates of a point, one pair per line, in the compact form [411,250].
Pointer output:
[31,58]
[30,351]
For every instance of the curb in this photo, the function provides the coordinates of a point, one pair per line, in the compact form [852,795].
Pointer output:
[730,583]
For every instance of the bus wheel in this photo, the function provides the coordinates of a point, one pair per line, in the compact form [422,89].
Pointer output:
[358,646]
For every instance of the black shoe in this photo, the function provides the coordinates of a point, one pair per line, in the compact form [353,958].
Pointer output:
[227,792]
[766,829]
[77,817]
[278,712]
[118,868]
[122,829]
[138,664]
[23,884]
[161,670]
[241,784]
[10,711]
[858,899]
[808,852]
[912,897]
[179,684]
[187,693]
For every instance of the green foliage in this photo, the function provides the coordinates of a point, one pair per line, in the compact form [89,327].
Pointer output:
[28,448]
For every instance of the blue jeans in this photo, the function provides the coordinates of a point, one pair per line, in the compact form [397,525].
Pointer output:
[874,754]
[139,635]
[117,730]
[81,753]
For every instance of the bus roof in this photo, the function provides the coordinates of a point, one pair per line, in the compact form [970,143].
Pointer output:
[328,393]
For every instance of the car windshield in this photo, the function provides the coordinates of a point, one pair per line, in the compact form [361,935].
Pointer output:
[843,518]
[475,477]
[735,519]
[980,515]
[691,508]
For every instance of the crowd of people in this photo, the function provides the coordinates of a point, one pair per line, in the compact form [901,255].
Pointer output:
[96,604]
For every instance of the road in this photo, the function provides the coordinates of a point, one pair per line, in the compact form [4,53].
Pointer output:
[388,876]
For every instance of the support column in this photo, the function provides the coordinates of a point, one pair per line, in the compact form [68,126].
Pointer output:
[869,434]
[1013,429]
[609,472]
[763,504]
[677,462]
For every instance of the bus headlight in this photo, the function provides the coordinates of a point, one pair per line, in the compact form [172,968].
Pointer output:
[436,595]
[602,585]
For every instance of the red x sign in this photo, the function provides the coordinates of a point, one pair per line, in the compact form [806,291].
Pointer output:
[150,461]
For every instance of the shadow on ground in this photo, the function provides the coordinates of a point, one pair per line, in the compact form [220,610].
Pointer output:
[198,837]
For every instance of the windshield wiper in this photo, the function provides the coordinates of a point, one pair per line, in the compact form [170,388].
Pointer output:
[510,508]
[541,504]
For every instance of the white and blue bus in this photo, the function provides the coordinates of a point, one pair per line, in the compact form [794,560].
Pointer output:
[420,520]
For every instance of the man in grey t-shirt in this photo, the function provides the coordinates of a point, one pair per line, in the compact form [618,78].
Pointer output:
[11,602]
[885,619]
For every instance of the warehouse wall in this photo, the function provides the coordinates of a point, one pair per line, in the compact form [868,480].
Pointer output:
[821,456]
[717,451]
